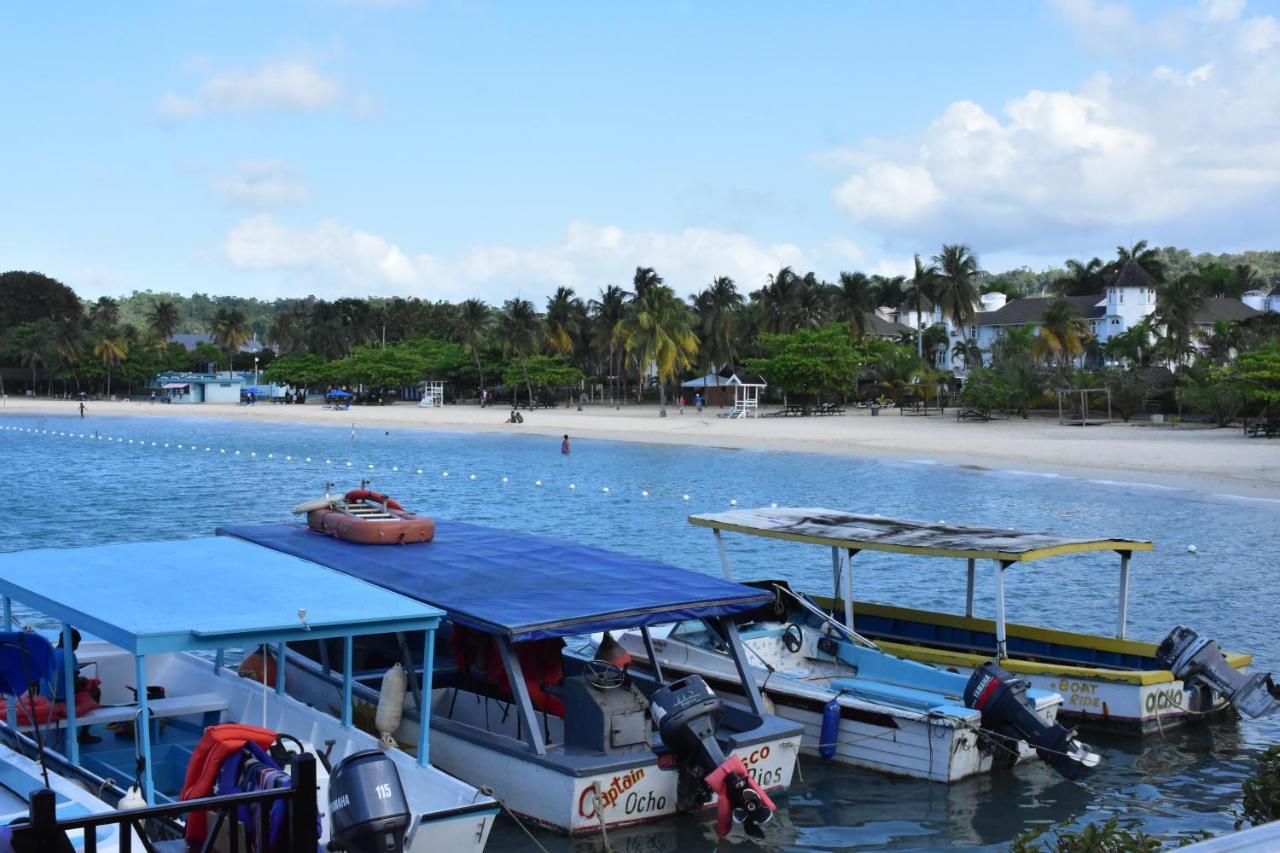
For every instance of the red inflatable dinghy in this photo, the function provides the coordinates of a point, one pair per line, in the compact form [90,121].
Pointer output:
[368,518]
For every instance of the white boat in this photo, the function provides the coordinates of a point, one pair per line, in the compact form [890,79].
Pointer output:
[152,606]
[1108,683]
[566,742]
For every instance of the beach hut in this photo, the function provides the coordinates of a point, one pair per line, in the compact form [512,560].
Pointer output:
[726,387]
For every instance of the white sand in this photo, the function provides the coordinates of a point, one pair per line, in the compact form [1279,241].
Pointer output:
[1220,461]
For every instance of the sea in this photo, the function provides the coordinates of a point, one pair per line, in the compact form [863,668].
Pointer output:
[75,482]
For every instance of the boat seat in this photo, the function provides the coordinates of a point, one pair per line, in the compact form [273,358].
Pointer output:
[172,706]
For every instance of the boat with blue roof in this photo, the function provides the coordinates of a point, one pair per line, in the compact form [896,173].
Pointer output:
[568,739]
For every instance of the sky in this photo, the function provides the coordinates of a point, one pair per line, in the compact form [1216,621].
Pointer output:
[447,149]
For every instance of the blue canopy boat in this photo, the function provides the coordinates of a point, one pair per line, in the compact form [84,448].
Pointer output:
[152,605]
[579,752]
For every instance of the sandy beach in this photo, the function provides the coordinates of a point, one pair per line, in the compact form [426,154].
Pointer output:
[1217,461]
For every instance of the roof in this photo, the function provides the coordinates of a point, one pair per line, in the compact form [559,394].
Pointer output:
[879,327]
[1221,308]
[724,379]
[1031,310]
[201,594]
[519,585]
[1132,274]
[917,538]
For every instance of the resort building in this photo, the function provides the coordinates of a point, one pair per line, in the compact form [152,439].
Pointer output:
[223,387]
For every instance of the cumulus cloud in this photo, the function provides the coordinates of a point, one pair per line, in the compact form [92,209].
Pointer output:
[1170,146]
[262,184]
[282,85]
[331,258]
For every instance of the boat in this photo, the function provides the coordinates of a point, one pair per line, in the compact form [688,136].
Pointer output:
[165,618]
[863,707]
[567,741]
[1112,684]
[366,517]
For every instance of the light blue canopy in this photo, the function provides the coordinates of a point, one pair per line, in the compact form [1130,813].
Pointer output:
[210,593]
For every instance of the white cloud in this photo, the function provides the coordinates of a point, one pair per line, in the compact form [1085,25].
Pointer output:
[1169,147]
[332,258]
[262,184]
[283,85]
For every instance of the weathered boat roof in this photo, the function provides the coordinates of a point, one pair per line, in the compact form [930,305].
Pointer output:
[918,538]
[194,594]
[519,585]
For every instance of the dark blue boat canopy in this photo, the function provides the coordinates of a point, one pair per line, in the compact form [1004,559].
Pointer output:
[522,586]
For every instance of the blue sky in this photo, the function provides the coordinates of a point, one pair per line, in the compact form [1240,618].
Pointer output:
[449,149]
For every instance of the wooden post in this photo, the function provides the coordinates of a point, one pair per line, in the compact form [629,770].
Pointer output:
[968,595]
[1002,647]
[724,557]
[303,811]
[42,810]
[1122,615]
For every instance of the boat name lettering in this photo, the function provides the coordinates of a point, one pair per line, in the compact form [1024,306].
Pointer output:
[757,755]
[618,786]
[1066,685]
[639,803]
[765,778]
[1163,699]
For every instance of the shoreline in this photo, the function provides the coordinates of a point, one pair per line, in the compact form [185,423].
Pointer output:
[1206,461]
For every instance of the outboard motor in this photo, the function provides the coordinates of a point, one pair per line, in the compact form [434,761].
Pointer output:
[368,811]
[688,714]
[1198,660]
[1002,700]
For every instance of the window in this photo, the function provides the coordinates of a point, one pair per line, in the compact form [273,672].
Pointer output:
[1115,321]
[1122,297]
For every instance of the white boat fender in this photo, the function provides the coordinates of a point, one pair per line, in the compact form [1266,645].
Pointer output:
[391,705]
[319,503]
[132,799]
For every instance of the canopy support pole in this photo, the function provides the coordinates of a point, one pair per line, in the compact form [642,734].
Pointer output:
[835,571]
[143,732]
[520,690]
[1002,645]
[848,589]
[280,653]
[653,656]
[724,557]
[968,594]
[348,676]
[72,731]
[1122,616]
[424,705]
[406,660]
[730,630]
[11,713]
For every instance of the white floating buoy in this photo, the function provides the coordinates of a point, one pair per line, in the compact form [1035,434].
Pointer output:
[1191,549]
[222,450]
[444,473]
[684,497]
[393,467]
[504,479]
[472,477]
[348,464]
[237,453]
[773,505]
[131,441]
[207,449]
[308,458]
[370,467]
[644,493]
[166,444]
[572,487]
[605,490]
[537,483]
[419,470]
[271,456]
[733,501]
[328,461]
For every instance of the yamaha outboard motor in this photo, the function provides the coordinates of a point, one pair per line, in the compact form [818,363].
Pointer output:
[368,812]
[688,714]
[1198,660]
[1002,700]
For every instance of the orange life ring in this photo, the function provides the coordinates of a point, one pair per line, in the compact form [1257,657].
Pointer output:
[376,497]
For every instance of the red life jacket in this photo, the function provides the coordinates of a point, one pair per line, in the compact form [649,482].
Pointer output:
[217,743]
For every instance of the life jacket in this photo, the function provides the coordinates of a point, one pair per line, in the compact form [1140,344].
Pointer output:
[253,769]
[216,745]
[540,662]
[47,711]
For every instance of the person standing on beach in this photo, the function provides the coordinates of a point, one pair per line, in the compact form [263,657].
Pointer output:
[564,446]
[697,400]
[82,410]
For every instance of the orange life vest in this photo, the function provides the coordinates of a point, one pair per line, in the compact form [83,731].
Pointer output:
[215,746]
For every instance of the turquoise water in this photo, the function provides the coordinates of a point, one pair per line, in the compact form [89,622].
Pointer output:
[69,490]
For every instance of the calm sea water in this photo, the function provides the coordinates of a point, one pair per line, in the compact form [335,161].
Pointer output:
[68,490]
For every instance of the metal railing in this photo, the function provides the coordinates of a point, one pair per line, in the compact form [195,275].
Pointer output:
[46,832]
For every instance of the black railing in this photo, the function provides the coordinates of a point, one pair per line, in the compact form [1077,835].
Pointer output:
[46,832]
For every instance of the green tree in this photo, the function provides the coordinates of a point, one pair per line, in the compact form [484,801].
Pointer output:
[163,319]
[717,308]
[1021,372]
[658,333]
[606,315]
[471,329]
[1063,333]
[857,298]
[985,391]
[111,349]
[1133,346]
[956,285]
[1214,390]
[1141,254]
[520,329]
[34,342]
[26,297]
[546,372]
[1258,373]
[230,331]
[1177,304]
[896,367]
[1081,279]
[810,362]
[921,289]
[296,370]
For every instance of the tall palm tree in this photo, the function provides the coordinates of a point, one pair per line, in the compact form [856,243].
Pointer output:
[1177,303]
[891,291]
[35,346]
[779,300]
[1142,254]
[606,314]
[471,329]
[1063,333]
[230,330]
[111,349]
[717,308]
[1081,279]
[968,352]
[68,342]
[565,315]
[644,279]
[956,287]
[658,333]
[521,331]
[163,319]
[920,290]
[105,313]
[288,331]
[856,298]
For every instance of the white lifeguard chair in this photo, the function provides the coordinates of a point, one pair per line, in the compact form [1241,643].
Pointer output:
[746,399]
[432,395]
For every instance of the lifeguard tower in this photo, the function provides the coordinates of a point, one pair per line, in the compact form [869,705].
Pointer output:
[432,395]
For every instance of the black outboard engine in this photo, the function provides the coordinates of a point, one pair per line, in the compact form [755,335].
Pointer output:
[1002,700]
[368,812]
[1198,660]
[688,714]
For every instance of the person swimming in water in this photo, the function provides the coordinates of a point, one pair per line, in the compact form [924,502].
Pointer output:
[564,446]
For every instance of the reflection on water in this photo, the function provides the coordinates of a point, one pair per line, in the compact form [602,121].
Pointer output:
[94,491]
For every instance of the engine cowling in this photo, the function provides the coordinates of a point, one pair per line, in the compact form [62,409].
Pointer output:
[368,811]
[1199,660]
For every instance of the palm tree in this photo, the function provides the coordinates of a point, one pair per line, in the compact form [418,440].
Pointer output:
[105,313]
[111,349]
[1222,342]
[919,291]
[644,279]
[956,288]
[163,319]
[779,299]
[1081,279]
[606,315]
[34,344]
[1133,345]
[288,331]
[1063,333]
[520,328]
[471,329]
[565,315]
[68,342]
[1177,303]
[1140,253]
[658,333]
[967,351]
[717,307]
[230,331]
[891,291]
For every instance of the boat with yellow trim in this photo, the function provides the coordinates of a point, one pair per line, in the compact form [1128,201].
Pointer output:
[1110,683]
